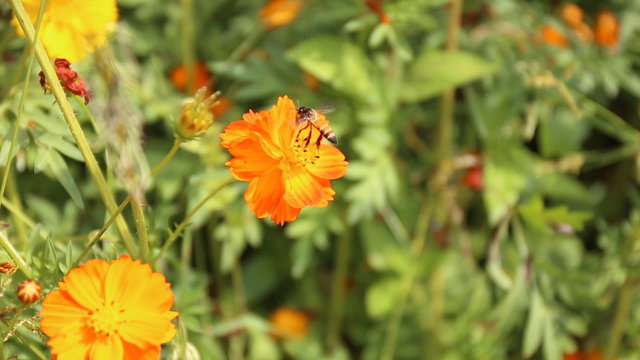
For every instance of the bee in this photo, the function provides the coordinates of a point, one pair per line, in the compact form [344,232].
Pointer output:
[311,117]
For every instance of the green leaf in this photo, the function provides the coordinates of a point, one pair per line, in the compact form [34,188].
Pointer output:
[382,297]
[62,174]
[436,71]
[503,185]
[551,347]
[534,329]
[339,63]
[62,145]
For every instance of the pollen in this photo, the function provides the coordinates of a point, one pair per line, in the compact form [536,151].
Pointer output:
[107,320]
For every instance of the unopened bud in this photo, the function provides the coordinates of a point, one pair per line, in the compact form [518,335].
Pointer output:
[29,291]
[7,268]
[195,116]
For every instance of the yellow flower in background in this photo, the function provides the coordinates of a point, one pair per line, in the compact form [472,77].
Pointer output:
[118,310]
[72,28]
[277,13]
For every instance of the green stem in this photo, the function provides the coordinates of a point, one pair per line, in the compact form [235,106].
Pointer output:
[125,202]
[141,228]
[620,319]
[185,222]
[16,211]
[23,96]
[72,122]
[19,224]
[624,301]
[14,255]
[188,50]
[238,342]
[445,131]
[336,307]
[245,46]
[101,232]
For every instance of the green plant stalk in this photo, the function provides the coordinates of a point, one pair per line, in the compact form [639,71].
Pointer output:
[29,344]
[141,227]
[336,307]
[188,36]
[620,319]
[238,342]
[72,123]
[445,130]
[101,232]
[625,300]
[14,255]
[17,211]
[174,235]
[14,195]
[23,96]
[125,202]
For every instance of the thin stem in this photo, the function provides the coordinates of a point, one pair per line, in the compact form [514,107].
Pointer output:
[245,46]
[238,342]
[336,307]
[141,227]
[14,195]
[168,157]
[14,255]
[18,213]
[185,222]
[188,36]
[620,319]
[23,96]
[101,232]
[72,122]
[624,301]
[445,131]
[125,202]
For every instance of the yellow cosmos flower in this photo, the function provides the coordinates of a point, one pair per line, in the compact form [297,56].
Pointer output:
[102,310]
[72,28]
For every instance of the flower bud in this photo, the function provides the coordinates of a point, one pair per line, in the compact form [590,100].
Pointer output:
[195,116]
[29,291]
[7,268]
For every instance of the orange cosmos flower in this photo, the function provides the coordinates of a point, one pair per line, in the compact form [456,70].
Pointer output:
[607,29]
[102,310]
[278,13]
[553,36]
[201,77]
[285,168]
[290,323]
[572,14]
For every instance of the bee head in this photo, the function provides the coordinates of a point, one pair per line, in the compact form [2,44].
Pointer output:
[304,111]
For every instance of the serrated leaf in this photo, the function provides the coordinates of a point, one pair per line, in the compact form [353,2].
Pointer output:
[339,63]
[435,71]
[62,174]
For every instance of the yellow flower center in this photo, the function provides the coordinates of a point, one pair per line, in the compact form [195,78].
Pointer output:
[304,146]
[107,320]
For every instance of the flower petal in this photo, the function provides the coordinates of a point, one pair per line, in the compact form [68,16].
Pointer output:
[108,348]
[330,165]
[264,193]
[302,188]
[250,160]
[84,283]
[145,328]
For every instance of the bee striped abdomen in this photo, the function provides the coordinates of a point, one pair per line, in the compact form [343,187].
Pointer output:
[318,121]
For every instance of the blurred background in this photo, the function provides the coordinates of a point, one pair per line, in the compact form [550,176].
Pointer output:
[489,211]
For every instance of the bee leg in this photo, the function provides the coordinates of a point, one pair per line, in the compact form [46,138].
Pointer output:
[319,140]
[308,138]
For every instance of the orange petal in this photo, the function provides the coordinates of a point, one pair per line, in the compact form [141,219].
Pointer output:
[284,213]
[145,328]
[265,192]
[330,165]
[108,348]
[132,352]
[302,188]
[61,314]
[84,283]
[250,160]
[124,284]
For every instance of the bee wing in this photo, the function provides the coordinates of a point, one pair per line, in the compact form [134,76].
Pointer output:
[326,109]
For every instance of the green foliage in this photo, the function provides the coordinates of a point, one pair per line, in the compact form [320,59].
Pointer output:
[489,209]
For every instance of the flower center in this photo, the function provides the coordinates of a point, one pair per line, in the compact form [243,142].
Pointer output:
[105,321]
[305,146]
